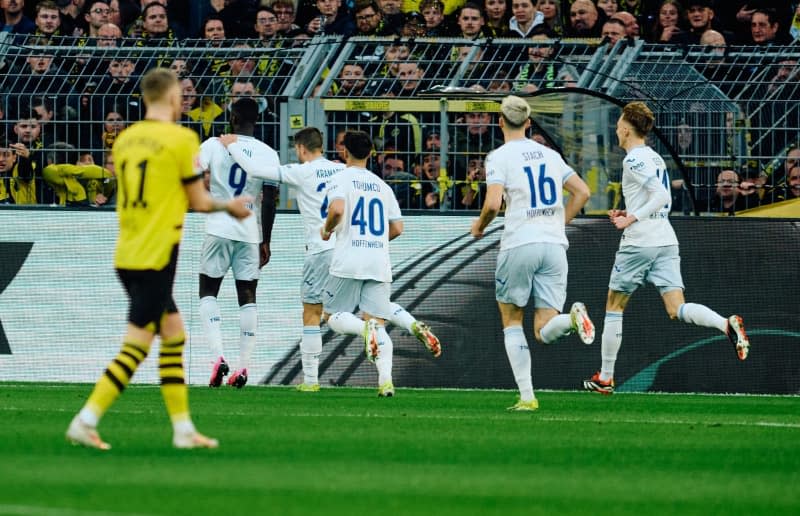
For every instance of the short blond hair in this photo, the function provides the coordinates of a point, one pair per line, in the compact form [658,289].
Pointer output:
[157,82]
[639,116]
[515,111]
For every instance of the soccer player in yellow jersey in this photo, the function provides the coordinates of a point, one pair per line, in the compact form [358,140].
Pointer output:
[158,179]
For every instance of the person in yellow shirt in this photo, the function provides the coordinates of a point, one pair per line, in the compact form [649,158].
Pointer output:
[158,178]
[17,183]
[77,184]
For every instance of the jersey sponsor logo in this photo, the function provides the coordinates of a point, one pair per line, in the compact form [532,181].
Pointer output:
[501,282]
[12,258]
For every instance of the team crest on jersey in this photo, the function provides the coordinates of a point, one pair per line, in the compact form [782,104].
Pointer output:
[196,164]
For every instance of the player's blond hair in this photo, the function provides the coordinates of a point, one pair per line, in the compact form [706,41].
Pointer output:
[639,116]
[156,83]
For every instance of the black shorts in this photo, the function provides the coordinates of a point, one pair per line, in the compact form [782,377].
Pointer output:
[150,292]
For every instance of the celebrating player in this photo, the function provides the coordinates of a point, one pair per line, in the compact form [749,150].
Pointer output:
[157,181]
[234,244]
[311,178]
[648,249]
[533,249]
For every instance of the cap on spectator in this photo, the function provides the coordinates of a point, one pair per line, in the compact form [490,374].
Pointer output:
[515,110]
[414,17]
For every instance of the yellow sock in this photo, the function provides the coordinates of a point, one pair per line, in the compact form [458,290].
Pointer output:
[173,387]
[117,375]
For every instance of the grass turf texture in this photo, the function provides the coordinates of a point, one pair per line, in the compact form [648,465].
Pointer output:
[440,452]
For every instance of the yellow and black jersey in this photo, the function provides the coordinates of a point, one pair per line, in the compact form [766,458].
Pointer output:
[153,161]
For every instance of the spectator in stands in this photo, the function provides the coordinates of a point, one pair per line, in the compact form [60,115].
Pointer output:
[584,20]
[497,18]
[551,13]
[667,27]
[631,24]
[476,136]
[156,30]
[392,16]
[108,35]
[473,191]
[613,31]
[17,183]
[285,13]
[330,20]
[351,81]
[266,24]
[413,25]
[400,132]
[74,177]
[792,189]
[48,19]
[71,13]
[765,27]
[190,115]
[470,22]
[525,18]
[122,13]
[52,126]
[369,20]
[728,197]
[14,19]
[410,76]
[713,38]
[699,14]
[113,124]
[96,15]
[773,179]
[28,132]
[433,11]
[610,7]
[539,71]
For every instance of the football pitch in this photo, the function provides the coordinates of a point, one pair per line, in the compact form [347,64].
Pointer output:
[426,451]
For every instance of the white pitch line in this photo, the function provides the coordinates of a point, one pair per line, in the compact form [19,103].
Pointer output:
[25,510]
[466,417]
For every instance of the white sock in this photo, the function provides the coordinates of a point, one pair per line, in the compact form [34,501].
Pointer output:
[310,349]
[612,341]
[384,360]
[248,322]
[556,328]
[400,317]
[183,426]
[88,417]
[519,356]
[701,315]
[212,324]
[346,323]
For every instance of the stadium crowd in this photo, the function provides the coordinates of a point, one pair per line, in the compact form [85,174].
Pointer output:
[45,159]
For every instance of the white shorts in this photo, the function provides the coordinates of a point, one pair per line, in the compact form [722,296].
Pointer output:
[532,270]
[660,266]
[220,254]
[345,294]
[315,275]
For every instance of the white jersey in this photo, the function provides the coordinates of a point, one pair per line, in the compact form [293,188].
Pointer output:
[311,180]
[229,180]
[362,236]
[533,177]
[646,188]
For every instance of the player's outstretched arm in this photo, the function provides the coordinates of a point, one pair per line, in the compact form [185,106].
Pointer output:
[260,169]
[201,200]
[579,196]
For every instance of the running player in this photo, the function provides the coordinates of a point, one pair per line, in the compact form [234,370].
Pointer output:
[533,249]
[648,249]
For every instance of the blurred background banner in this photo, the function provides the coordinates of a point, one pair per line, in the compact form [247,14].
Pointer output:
[63,311]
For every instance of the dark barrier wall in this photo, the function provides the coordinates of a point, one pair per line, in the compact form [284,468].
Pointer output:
[746,266]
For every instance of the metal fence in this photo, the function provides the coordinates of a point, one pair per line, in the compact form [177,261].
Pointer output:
[430,105]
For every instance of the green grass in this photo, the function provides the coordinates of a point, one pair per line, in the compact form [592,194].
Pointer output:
[344,451]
